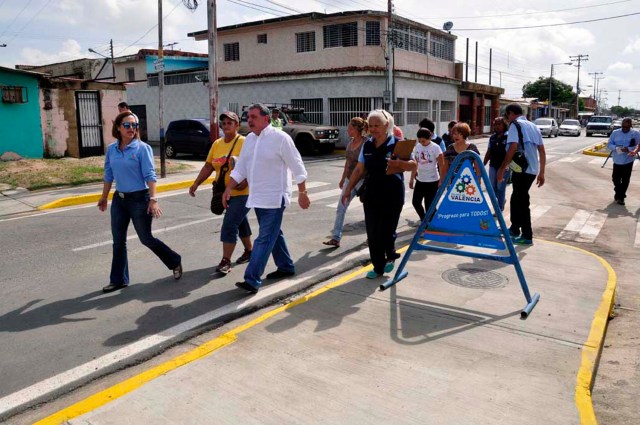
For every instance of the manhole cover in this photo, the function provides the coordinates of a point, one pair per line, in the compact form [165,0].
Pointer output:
[475,278]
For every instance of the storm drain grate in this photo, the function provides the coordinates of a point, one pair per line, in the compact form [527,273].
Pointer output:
[475,278]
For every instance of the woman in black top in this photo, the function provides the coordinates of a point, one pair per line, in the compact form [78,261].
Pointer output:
[496,152]
[384,193]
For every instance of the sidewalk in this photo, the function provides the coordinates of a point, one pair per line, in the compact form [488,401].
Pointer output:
[444,346]
[18,201]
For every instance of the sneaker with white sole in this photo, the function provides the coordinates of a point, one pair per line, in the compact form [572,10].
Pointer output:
[225,266]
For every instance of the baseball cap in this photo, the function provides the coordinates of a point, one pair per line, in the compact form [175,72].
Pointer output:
[231,115]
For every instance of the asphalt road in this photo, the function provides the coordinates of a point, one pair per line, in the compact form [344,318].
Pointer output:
[53,316]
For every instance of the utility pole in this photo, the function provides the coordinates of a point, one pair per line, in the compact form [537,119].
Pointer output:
[579,59]
[390,58]
[490,63]
[619,91]
[113,65]
[476,76]
[212,72]
[160,68]
[595,86]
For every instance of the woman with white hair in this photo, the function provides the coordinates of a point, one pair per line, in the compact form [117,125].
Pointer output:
[383,195]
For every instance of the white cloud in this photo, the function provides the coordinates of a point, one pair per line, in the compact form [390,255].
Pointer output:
[69,50]
[633,46]
[620,67]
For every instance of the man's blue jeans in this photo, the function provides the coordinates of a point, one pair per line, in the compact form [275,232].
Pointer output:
[499,188]
[270,241]
[134,209]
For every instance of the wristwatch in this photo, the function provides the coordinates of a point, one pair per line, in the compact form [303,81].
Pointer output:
[153,198]
[303,192]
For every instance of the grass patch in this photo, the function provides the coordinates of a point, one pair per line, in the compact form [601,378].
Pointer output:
[33,174]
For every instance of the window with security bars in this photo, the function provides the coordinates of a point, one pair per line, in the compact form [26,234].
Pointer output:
[372,30]
[306,42]
[234,107]
[313,109]
[340,35]
[131,74]
[417,110]
[398,112]
[487,116]
[231,52]
[447,112]
[410,38]
[187,78]
[342,109]
[262,38]
[441,47]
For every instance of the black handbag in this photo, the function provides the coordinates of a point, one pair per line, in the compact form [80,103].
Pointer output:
[519,162]
[361,193]
[218,186]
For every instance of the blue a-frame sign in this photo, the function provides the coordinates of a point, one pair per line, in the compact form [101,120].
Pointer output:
[463,217]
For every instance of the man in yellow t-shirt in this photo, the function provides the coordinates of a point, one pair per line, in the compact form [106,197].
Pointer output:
[235,221]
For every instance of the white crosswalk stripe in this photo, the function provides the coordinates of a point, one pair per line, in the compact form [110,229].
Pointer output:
[569,159]
[583,227]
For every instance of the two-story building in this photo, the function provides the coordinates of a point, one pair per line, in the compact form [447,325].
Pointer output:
[333,65]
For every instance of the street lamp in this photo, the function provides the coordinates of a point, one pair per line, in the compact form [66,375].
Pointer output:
[113,66]
[550,83]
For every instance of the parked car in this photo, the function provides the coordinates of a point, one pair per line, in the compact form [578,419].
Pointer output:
[190,135]
[617,124]
[570,128]
[600,125]
[548,126]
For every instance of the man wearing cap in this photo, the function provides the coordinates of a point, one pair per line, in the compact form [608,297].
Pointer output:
[235,222]
[267,160]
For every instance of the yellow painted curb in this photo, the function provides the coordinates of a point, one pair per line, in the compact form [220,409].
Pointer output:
[593,150]
[103,397]
[593,345]
[93,197]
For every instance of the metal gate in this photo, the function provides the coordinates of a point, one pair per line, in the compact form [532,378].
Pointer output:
[89,118]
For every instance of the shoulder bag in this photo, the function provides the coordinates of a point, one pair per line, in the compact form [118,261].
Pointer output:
[519,161]
[218,185]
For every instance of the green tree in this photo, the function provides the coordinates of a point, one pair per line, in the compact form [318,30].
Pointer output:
[560,92]
[622,111]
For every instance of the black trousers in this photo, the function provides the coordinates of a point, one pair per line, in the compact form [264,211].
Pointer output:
[520,212]
[621,176]
[423,192]
[381,221]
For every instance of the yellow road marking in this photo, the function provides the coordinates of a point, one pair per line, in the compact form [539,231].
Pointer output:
[103,397]
[593,345]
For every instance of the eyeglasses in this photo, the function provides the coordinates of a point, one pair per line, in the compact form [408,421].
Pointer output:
[128,125]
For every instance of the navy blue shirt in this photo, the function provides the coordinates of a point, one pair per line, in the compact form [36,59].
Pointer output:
[132,168]
[382,188]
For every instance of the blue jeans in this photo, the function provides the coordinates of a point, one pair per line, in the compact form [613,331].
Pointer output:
[235,220]
[270,241]
[133,208]
[499,188]
[341,211]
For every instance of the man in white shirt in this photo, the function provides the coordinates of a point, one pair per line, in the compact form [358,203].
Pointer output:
[267,159]
[520,128]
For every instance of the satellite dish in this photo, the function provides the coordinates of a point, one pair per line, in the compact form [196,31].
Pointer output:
[447,26]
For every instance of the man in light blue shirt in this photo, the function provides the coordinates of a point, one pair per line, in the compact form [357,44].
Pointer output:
[621,144]
[522,132]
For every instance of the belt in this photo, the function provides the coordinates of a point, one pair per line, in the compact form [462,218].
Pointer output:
[139,194]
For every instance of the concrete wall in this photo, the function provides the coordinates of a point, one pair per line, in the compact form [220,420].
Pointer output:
[20,129]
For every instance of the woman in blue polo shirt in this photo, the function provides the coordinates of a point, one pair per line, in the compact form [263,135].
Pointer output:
[384,193]
[129,162]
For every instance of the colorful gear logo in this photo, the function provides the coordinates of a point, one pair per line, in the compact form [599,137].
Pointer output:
[466,179]
[460,187]
[471,190]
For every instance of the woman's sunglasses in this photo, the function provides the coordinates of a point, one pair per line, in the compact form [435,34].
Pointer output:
[128,125]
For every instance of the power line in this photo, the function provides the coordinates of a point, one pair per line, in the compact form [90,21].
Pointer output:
[529,13]
[29,21]
[16,17]
[550,25]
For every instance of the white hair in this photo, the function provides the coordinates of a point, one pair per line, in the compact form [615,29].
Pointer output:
[385,117]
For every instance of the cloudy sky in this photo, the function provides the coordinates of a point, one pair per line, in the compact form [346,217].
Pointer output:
[47,31]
